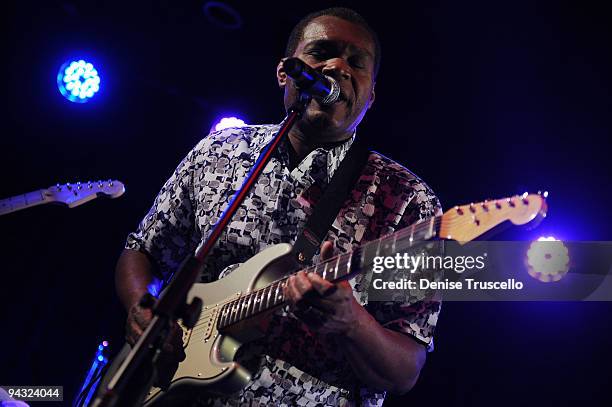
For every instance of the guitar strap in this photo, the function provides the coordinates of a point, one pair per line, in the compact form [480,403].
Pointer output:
[330,203]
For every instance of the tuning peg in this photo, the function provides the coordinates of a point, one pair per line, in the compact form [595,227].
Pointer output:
[59,187]
[475,220]
[544,194]
[110,182]
[79,185]
[89,185]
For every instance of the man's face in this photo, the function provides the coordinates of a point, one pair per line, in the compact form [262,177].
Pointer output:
[344,51]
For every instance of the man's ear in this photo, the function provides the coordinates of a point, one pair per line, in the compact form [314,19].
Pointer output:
[281,76]
[372,96]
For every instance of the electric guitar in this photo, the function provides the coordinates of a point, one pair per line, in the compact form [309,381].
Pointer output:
[236,303]
[68,194]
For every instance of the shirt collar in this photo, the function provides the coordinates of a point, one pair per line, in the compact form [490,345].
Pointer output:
[319,165]
[322,163]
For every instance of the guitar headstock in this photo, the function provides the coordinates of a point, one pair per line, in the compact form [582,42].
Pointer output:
[467,222]
[79,193]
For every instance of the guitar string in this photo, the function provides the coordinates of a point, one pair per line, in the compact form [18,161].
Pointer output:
[421,226]
[417,227]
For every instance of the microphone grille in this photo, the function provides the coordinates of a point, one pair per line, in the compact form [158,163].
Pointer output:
[334,93]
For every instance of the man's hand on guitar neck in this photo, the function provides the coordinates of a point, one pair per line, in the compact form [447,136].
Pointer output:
[385,359]
[326,307]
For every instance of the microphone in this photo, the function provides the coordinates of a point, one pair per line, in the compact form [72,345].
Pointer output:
[321,87]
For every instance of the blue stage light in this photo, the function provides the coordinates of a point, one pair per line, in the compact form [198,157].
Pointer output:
[547,259]
[78,81]
[228,122]
[93,376]
[547,239]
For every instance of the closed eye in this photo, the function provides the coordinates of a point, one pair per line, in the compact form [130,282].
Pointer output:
[356,62]
[317,53]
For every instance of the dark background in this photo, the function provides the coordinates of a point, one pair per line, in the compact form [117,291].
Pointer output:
[482,99]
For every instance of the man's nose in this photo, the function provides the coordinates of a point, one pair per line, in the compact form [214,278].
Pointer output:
[337,68]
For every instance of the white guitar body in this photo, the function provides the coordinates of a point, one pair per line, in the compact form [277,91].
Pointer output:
[210,355]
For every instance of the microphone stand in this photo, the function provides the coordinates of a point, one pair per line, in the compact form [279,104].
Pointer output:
[134,377]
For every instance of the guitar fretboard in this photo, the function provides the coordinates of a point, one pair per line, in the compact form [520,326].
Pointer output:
[337,268]
[23,201]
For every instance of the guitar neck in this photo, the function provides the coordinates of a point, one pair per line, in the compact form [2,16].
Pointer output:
[337,268]
[462,223]
[67,194]
[27,200]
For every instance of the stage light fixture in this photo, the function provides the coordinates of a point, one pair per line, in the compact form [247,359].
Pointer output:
[547,259]
[228,122]
[222,15]
[78,81]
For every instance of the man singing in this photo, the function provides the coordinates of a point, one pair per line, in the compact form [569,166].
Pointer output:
[347,351]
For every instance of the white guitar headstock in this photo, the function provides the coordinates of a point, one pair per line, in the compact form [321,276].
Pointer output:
[79,193]
[466,222]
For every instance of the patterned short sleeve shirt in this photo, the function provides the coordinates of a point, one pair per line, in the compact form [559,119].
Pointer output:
[292,365]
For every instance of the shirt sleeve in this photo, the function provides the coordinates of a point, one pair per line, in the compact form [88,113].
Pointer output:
[415,317]
[167,233]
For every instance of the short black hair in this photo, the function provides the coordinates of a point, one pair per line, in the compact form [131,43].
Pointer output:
[341,12]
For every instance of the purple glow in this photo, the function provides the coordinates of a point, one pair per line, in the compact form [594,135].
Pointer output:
[105,343]
[228,122]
